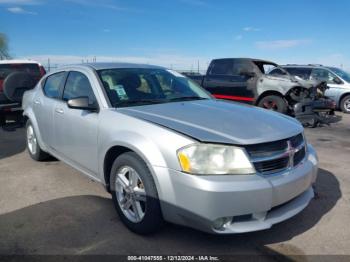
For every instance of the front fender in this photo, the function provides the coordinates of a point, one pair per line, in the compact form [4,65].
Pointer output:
[141,145]
[144,148]
[268,84]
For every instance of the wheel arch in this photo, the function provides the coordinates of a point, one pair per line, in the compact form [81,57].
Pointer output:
[341,98]
[268,93]
[116,150]
[111,154]
[29,115]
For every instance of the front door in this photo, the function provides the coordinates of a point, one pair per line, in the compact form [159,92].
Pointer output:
[76,130]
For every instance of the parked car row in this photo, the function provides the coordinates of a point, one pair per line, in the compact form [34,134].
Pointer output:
[310,93]
[266,84]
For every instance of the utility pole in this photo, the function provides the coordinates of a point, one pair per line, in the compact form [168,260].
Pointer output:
[48,65]
[198,66]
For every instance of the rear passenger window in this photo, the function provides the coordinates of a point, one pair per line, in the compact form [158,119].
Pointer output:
[78,85]
[239,66]
[222,67]
[53,84]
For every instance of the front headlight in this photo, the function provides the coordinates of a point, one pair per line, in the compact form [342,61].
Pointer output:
[211,159]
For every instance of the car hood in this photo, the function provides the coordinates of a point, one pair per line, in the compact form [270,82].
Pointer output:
[218,121]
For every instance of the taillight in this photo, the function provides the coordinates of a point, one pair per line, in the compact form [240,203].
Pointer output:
[1,85]
[42,71]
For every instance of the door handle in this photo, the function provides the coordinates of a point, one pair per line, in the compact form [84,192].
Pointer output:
[37,102]
[59,110]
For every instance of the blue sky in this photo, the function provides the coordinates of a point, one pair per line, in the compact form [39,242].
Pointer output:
[178,33]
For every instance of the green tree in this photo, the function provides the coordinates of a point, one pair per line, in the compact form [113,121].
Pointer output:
[4,54]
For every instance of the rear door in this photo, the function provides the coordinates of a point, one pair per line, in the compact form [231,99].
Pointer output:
[76,130]
[224,81]
[44,103]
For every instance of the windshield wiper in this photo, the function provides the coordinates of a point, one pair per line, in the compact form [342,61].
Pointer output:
[186,98]
[139,101]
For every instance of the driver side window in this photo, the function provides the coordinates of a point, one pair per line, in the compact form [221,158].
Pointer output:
[78,85]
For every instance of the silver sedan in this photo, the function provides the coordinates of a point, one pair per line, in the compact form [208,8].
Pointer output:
[167,151]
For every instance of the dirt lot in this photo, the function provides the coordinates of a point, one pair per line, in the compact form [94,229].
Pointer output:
[49,208]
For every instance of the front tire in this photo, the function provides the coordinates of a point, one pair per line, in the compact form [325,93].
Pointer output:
[135,195]
[33,146]
[274,102]
[345,104]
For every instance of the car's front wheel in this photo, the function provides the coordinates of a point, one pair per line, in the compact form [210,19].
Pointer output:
[345,104]
[135,195]
[33,146]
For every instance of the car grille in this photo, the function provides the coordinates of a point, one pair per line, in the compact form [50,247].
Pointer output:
[273,157]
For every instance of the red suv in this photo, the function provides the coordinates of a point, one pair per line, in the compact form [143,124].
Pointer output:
[16,76]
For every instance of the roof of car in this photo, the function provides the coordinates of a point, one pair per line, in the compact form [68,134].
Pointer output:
[99,66]
[18,61]
[304,66]
[246,59]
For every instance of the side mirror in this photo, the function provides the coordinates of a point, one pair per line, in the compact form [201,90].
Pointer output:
[337,80]
[81,103]
[247,73]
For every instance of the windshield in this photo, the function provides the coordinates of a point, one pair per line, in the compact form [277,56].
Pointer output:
[341,73]
[135,86]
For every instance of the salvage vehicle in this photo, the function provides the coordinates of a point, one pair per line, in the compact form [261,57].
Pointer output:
[16,76]
[337,79]
[247,80]
[168,151]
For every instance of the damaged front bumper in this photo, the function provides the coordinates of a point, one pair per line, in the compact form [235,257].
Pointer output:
[318,111]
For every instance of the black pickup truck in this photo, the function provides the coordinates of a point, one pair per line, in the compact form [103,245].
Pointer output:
[16,76]
[248,80]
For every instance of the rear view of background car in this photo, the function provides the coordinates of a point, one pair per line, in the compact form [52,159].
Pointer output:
[13,75]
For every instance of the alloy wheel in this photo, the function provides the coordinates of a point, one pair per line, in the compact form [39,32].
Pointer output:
[347,105]
[131,194]
[31,140]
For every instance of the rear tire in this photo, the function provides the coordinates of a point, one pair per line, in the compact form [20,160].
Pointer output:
[274,102]
[345,104]
[33,146]
[133,188]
